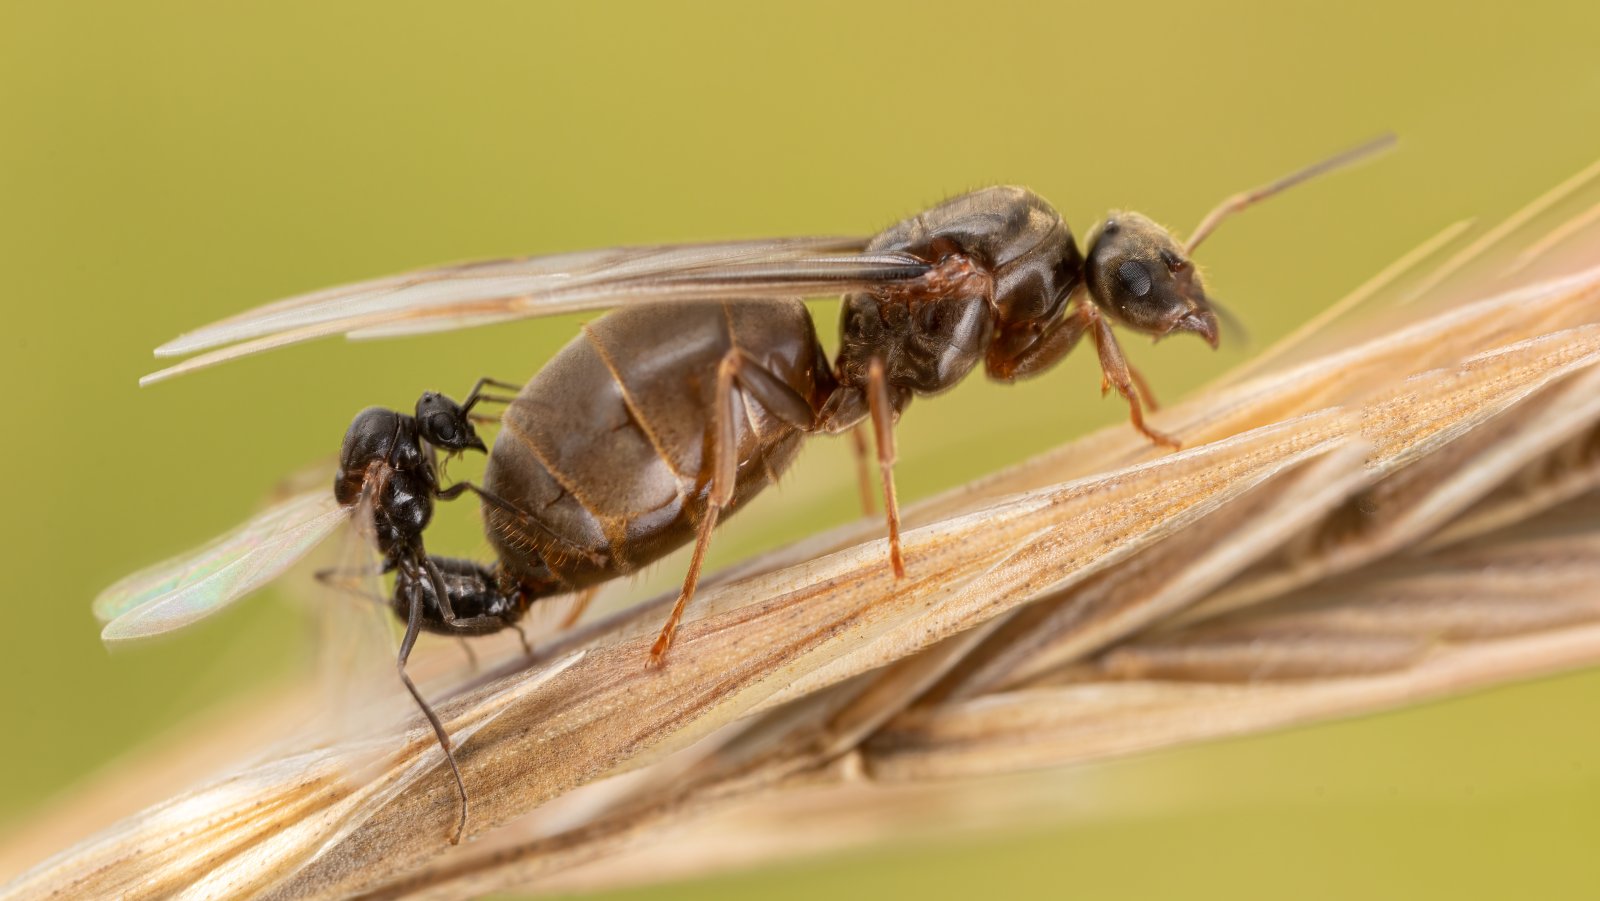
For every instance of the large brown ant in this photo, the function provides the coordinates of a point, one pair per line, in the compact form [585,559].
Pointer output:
[665,416]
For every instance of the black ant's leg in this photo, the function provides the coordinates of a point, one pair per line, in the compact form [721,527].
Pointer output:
[472,656]
[453,492]
[337,578]
[476,395]
[883,428]
[440,590]
[523,519]
[414,626]
[522,637]
[475,625]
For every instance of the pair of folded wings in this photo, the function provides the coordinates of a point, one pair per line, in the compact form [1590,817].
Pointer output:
[187,588]
[469,294]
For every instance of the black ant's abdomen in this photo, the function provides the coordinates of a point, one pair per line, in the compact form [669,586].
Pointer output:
[480,604]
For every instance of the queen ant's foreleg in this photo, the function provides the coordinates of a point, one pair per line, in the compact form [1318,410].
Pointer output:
[1059,339]
[1116,372]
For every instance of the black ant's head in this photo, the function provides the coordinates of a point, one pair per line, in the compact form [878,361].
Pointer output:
[442,423]
[1141,278]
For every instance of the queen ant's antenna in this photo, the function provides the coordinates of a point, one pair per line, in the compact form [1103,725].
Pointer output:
[1246,199]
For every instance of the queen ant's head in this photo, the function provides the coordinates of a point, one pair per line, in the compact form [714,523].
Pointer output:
[1140,277]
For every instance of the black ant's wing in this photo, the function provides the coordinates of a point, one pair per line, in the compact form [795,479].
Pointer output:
[176,592]
[356,645]
[469,294]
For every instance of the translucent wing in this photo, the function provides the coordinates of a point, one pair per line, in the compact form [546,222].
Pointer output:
[363,701]
[468,294]
[180,591]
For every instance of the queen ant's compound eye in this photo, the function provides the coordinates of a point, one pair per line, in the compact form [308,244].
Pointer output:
[1134,277]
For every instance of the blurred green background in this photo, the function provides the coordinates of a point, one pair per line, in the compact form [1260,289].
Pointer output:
[165,164]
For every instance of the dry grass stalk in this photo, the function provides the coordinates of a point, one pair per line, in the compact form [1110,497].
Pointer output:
[1099,600]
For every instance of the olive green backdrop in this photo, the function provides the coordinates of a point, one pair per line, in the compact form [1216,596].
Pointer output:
[164,164]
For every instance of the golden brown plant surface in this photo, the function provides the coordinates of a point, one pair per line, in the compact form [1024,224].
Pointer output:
[1398,520]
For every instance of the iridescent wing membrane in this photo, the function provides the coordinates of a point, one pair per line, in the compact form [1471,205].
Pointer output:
[184,589]
[469,294]
[356,648]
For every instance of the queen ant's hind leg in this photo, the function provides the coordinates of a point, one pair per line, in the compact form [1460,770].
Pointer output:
[724,471]
[761,385]
[412,587]
[883,429]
